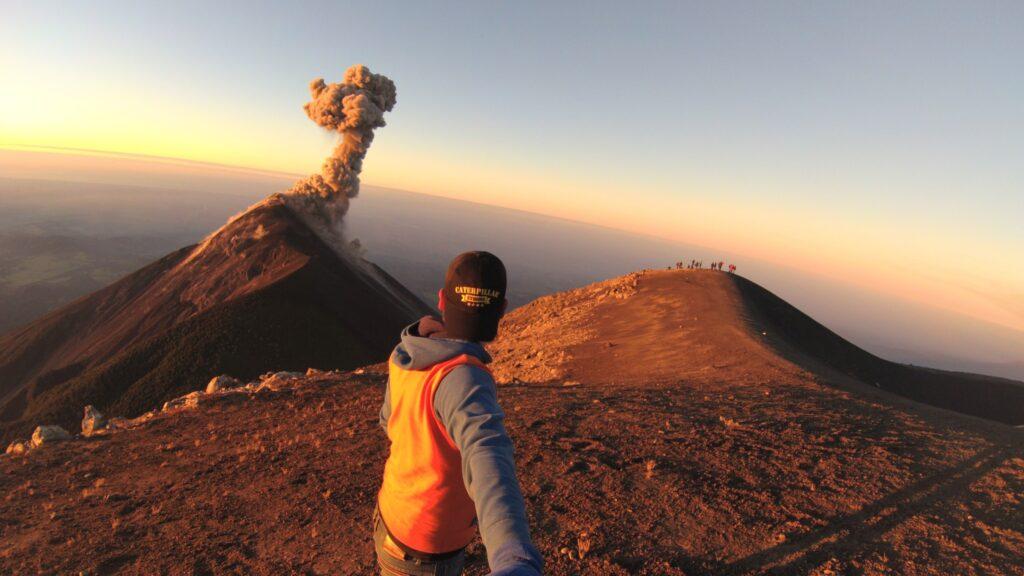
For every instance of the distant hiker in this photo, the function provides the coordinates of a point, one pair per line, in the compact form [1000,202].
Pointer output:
[732,268]
[450,467]
[720,265]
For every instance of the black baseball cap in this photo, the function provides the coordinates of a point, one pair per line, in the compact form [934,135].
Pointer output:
[474,296]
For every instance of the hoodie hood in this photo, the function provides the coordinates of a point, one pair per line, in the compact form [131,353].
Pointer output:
[417,352]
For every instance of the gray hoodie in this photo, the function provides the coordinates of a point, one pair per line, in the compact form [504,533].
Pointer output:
[466,404]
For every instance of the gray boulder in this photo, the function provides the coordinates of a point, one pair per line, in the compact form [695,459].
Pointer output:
[222,382]
[286,375]
[278,380]
[117,423]
[92,421]
[48,435]
[192,399]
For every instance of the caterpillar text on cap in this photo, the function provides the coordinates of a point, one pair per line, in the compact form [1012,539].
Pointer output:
[474,296]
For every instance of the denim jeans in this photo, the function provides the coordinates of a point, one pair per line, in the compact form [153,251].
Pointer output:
[394,562]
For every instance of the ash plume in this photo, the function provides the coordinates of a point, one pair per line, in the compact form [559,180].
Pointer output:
[354,107]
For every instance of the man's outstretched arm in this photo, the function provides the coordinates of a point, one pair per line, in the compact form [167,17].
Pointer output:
[467,405]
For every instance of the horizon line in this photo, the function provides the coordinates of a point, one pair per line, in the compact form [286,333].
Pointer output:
[71,151]
[184,162]
[172,160]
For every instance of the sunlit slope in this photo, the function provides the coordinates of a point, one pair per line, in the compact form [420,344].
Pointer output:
[701,324]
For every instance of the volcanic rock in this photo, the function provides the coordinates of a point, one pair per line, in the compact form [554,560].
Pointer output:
[92,421]
[191,399]
[285,376]
[16,448]
[278,380]
[222,382]
[47,434]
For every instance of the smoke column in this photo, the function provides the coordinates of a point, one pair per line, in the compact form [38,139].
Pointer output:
[354,107]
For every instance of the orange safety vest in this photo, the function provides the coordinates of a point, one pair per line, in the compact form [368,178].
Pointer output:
[423,500]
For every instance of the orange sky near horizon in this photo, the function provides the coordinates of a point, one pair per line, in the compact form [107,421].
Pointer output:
[838,250]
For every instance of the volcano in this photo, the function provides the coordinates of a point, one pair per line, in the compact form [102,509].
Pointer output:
[262,293]
[666,423]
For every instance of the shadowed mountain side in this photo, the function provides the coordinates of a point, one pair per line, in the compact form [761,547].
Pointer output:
[990,397]
[263,293]
[286,326]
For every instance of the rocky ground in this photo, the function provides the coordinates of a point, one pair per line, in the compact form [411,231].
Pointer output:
[658,430]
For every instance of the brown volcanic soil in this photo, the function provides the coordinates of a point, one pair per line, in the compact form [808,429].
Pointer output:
[664,430]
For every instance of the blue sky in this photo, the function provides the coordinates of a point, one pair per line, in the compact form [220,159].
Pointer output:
[879,143]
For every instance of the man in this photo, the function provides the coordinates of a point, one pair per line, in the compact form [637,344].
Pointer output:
[450,468]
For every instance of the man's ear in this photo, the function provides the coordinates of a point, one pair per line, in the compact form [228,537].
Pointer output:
[440,299]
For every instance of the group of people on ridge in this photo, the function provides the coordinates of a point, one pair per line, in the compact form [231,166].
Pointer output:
[699,264]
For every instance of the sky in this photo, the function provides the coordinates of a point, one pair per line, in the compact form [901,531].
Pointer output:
[878,144]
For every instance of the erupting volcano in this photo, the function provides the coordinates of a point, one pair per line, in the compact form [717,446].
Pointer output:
[274,289]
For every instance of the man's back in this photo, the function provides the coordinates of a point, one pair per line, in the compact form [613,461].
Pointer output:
[451,467]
